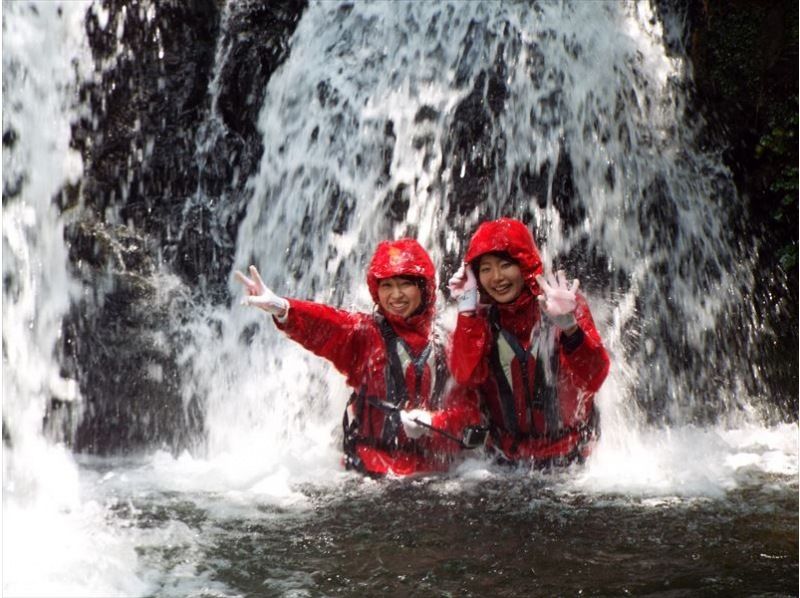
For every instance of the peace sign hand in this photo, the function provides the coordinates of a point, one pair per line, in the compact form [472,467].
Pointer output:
[258,295]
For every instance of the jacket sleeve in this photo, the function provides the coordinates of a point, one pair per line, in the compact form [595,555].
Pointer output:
[584,357]
[468,355]
[333,334]
[461,410]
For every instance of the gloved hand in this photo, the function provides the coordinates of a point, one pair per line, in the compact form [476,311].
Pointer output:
[412,422]
[557,300]
[464,289]
[258,295]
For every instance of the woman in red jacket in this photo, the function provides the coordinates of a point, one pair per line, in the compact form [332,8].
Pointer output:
[532,349]
[405,415]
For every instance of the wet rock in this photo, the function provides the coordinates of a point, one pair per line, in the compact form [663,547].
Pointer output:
[121,344]
[9,138]
[744,56]
[471,154]
[397,202]
[161,148]
[166,158]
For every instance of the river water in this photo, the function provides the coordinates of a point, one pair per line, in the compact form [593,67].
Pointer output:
[693,488]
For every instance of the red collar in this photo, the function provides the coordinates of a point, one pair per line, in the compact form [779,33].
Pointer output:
[519,316]
[414,330]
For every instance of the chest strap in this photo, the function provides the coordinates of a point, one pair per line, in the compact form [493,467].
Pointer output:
[540,391]
[399,358]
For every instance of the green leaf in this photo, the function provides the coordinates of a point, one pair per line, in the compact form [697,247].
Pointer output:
[788,256]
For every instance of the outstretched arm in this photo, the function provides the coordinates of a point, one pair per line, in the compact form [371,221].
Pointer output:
[341,337]
[325,331]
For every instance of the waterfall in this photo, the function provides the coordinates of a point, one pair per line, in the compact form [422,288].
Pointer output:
[379,122]
[44,58]
[295,138]
[424,121]
[50,533]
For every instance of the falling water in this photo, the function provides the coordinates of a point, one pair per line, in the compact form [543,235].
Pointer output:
[647,227]
[421,120]
[45,518]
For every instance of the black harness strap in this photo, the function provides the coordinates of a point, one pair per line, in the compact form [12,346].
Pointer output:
[396,392]
[440,377]
[540,392]
[504,384]
[546,393]
[399,394]
[350,429]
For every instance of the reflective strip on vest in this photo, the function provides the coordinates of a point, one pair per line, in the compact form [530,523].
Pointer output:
[506,354]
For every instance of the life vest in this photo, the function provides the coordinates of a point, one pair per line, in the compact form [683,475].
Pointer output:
[358,426]
[537,422]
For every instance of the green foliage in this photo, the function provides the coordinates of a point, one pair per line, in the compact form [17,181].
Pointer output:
[779,147]
[736,55]
[788,256]
[781,139]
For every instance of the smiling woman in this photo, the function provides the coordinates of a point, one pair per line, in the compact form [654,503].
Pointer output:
[500,277]
[399,419]
[533,348]
[400,295]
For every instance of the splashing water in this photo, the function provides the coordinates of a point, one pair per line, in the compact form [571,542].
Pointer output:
[361,129]
[339,141]
[54,542]
[37,289]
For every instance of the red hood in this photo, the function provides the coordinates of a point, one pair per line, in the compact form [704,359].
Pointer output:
[404,257]
[512,237]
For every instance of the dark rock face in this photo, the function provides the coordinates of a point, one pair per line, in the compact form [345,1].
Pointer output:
[166,161]
[745,65]
[155,149]
[473,157]
[745,62]
[123,348]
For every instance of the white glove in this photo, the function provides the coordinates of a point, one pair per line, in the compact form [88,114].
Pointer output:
[557,300]
[414,422]
[258,295]
[464,289]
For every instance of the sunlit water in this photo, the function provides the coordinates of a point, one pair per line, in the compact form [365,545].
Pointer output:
[671,508]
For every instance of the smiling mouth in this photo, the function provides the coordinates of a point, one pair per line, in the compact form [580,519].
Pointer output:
[502,289]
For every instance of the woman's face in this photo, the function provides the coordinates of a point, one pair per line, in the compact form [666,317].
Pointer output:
[399,296]
[500,277]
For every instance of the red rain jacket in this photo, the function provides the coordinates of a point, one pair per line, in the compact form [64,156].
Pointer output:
[354,344]
[529,430]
